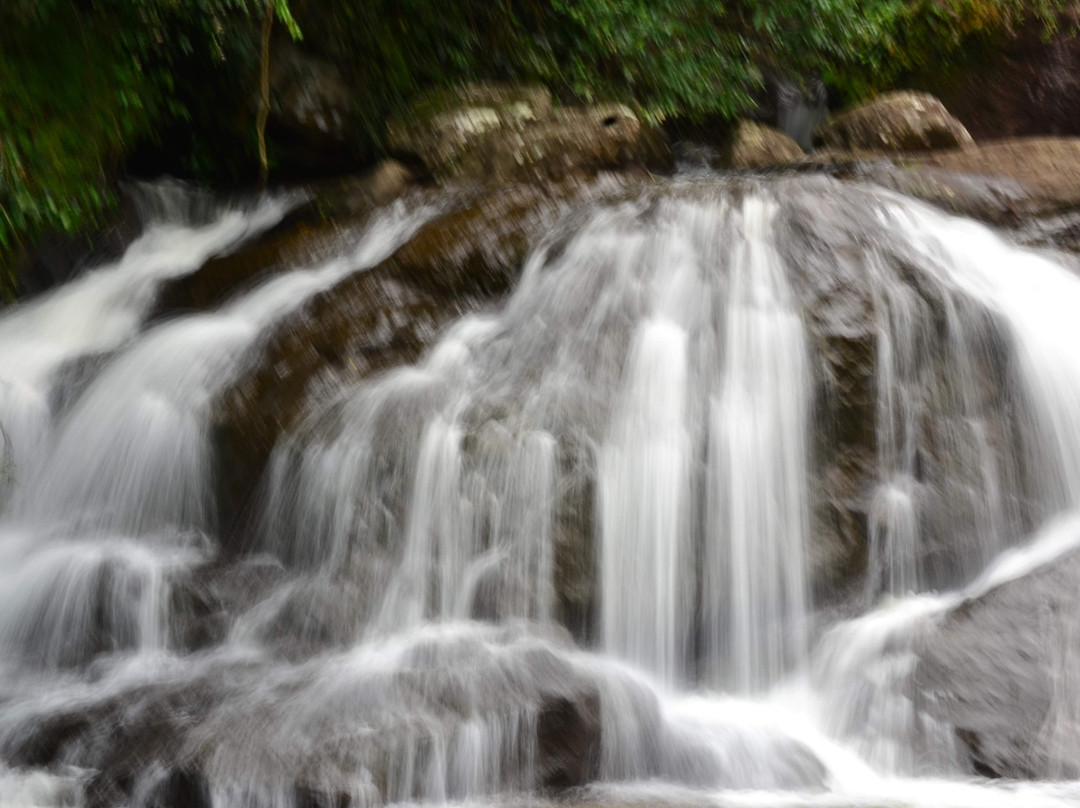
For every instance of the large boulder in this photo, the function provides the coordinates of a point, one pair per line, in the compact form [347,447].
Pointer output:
[1001,668]
[440,125]
[901,121]
[510,132]
[754,145]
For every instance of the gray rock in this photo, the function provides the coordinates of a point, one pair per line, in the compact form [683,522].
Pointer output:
[1004,670]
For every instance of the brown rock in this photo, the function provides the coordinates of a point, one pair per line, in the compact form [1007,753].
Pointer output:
[440,125]
[755,145]
[1047,169]
[1008,182]
[902,121]
[510,132]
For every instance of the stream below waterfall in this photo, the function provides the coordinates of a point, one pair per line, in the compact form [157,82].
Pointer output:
[750,492]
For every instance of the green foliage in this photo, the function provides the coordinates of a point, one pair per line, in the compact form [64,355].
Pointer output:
[899,38]
[93,80]
[668,57]
[63,122]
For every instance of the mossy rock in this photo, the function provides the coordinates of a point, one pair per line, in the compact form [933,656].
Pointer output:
[507,133]
[901,121]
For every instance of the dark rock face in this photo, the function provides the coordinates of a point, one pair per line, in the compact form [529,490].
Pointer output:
[509,132]
[902,121]
[1027,85]
[1002,670]
[296,238]
[864,306]
[311,109]
[824,242]
[568,742]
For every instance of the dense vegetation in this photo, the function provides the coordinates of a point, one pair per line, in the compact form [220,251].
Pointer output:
[87,84]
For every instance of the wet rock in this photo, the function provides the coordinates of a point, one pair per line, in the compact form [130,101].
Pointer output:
[1046,169]
[357,194]
[305,235]
[509,132]
[46,740]
[754,145]
[73,377]
[1030,184]
[377,319]
[988,197]
[294,239]
[902,121]
[824,241]
[205,601]
[575,553]
[180,789]
[1002,670]
[568,742]
[307,797]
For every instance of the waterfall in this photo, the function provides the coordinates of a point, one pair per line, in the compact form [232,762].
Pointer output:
[690,514]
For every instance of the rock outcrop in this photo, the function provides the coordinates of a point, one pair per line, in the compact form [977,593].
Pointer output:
[902,121]
[509,132]
[1029,184]
[380,318]
[300,239]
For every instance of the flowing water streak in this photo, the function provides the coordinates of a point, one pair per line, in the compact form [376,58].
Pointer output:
[756,592]
[1036,296]
[644,472]
[133,454]
[103,308]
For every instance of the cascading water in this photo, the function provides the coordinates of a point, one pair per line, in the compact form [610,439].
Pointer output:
[635,445]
